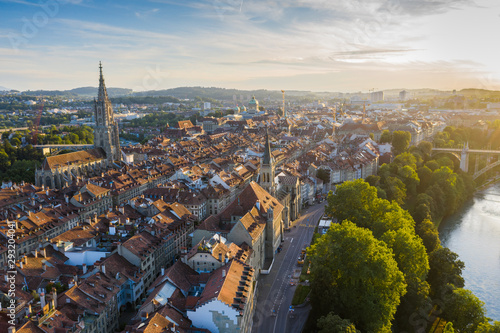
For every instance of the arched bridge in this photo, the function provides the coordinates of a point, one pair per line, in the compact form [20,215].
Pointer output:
[463,156]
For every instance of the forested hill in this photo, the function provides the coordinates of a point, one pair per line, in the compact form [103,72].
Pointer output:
[78,92]
[181,93]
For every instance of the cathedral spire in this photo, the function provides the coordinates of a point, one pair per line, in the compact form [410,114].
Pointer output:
[106,132]
[102,94]
[267,158]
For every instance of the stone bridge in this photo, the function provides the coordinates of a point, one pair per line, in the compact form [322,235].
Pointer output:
[463,156]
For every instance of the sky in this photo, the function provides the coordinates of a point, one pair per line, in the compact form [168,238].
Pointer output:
[314,45]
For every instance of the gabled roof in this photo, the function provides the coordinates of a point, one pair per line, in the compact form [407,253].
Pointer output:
[84,156]
[228,284]
[248,199]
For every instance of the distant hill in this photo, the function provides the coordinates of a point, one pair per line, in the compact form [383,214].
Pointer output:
[78,92]
[480,93]
[227,94]
[3,88]
[92,91]
[242,96]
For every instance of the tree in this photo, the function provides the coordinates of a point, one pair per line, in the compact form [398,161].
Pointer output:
[410,178]
[373,180]
[15,141]
[425,147]
[386,137]
[429,234]
[352,201]
[400,141]
[395,189]
[4,160]
[445,268]
[465,310]
[433,165]
[489,328]
[332,323]
[425,176]
[449,328]
[409,253]
[356,276]
[406,159]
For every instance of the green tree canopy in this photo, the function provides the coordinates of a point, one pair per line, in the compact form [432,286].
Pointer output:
[429,234]
[332,323]
[356,276]
[489,328]
[385,137]
[465,310]
[445,268]
[400,141]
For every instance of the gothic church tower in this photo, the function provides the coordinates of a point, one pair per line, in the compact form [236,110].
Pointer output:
[106,129]
[267,168]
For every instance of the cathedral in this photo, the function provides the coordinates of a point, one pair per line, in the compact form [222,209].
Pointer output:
[60,170]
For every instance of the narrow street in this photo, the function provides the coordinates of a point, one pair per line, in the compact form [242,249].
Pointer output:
[275,291]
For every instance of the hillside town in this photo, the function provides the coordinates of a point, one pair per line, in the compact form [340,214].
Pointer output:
[174,234]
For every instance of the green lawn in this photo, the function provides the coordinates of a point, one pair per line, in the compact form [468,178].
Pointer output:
[300,294]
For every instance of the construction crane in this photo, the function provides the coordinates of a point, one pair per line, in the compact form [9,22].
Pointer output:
[36,123]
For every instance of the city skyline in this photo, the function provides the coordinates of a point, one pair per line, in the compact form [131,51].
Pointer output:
[301,45]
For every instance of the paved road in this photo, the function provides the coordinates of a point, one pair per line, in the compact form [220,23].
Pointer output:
[274,290]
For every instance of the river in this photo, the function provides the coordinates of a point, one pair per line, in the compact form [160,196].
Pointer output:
[474,234]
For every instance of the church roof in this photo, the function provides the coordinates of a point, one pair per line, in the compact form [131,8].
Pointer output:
[77,157]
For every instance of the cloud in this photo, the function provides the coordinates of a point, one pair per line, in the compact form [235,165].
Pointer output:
[146,13]
[423,7]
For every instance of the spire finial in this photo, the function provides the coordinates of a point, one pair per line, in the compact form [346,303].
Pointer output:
[100,69]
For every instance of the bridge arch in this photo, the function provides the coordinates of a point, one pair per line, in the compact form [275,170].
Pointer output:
[455,157]
[486,168]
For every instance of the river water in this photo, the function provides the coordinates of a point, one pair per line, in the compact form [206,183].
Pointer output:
[474,234]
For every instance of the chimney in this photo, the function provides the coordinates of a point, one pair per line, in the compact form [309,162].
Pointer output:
[47,192]
[223,273]
[12,329]
[84,267]
[66,198]
[162,271]
[44,253]
[220,256]
[54,298]
[258,205]
[44,266]
[42,300]
[103,268]
[20,264]
[36,253]
[26,259]
[122,210]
